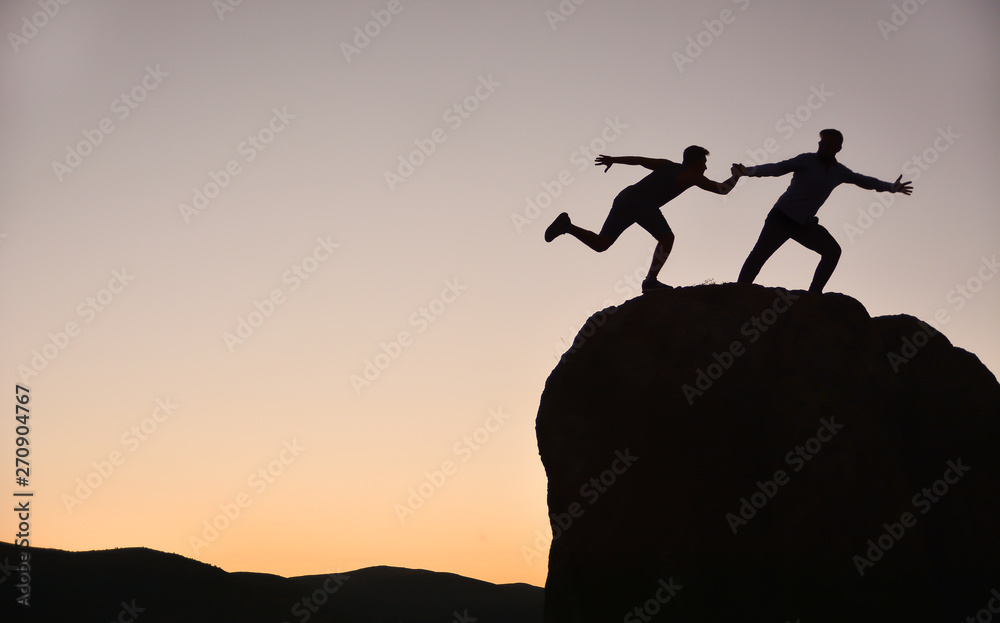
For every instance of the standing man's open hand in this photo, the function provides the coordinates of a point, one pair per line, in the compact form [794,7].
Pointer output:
[905,187]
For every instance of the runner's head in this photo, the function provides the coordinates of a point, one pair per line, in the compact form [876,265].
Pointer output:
[696,157]
[830,142]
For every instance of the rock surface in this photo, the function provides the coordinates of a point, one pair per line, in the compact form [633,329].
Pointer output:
[740,453]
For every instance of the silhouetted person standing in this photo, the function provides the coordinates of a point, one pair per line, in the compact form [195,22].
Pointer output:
[814,176]
[641,202]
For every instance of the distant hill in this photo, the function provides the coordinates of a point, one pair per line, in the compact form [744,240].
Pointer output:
[149,586]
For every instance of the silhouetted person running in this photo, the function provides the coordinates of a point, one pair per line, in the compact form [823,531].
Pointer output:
[814,176]
[641,202]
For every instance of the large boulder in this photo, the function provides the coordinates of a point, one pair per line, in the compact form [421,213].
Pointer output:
[740,453]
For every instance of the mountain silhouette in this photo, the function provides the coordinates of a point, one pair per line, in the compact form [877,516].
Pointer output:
[740,453]
[149,586]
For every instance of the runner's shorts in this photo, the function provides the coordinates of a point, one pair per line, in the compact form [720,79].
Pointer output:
[625,211]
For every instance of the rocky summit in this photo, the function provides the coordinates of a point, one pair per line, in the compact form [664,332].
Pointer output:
[741,453]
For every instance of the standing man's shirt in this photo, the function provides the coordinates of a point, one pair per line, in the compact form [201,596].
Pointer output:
[812,182]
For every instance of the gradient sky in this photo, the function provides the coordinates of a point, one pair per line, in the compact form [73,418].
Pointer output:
[449,253]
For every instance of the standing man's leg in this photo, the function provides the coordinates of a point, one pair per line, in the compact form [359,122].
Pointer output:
[815,237]
[777,230]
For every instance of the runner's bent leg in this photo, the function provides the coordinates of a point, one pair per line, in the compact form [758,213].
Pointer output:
[651,219]
[619,219]
[663,246]
[597,242]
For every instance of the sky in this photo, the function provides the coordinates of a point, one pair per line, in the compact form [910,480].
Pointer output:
[274,271]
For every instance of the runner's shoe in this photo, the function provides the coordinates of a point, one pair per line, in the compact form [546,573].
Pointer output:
[558,227]
[652,285]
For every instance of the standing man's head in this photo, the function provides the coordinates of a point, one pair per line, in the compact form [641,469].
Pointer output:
[696,157]
[830,142]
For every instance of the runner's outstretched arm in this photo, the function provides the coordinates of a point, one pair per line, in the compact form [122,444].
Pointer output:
[649,163]
[723,188]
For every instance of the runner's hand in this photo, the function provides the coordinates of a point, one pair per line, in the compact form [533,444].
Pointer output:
[606,161]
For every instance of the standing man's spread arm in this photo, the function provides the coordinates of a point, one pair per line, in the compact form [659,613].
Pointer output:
[774,169]
[870,183]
